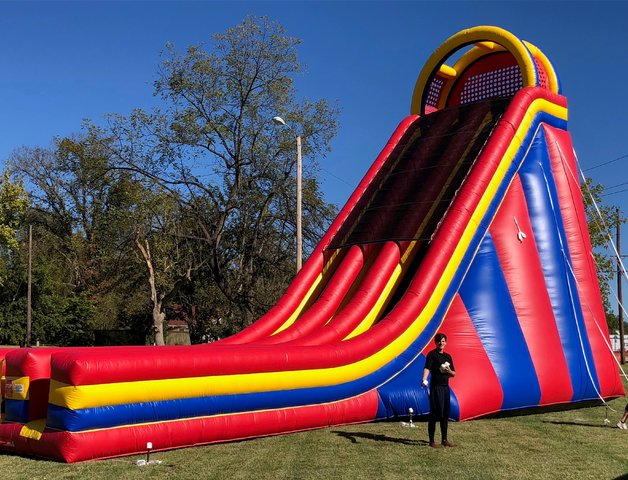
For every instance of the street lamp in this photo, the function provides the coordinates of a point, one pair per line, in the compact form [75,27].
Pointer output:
[281,121]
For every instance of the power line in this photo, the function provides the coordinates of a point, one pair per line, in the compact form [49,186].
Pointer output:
[336,177]
[615,186]
[605,163]
[613,193]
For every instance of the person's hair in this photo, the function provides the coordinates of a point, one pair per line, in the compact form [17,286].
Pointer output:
[439,337]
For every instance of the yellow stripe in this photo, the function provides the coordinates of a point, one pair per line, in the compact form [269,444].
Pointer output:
[324,275]
[19,387]
[301,306]
[85,396]
[34,429]
[381,302]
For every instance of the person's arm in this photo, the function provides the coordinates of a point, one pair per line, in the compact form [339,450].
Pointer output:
[426,372]
[451,369]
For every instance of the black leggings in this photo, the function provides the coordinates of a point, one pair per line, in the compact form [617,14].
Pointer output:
[439,411]
[431,428]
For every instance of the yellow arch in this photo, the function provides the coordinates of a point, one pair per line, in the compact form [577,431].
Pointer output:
[486,36]
[547,66]
[463,62]
[484,48]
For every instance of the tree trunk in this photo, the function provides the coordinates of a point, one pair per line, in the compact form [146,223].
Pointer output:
[159,320]
[159,316]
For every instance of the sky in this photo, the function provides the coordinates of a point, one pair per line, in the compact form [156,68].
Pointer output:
[61,62]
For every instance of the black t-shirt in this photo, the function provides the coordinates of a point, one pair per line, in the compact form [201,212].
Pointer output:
[433,361]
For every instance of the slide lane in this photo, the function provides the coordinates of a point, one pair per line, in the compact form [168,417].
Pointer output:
[323,309]
[364,308]
[434,160]
[416,163]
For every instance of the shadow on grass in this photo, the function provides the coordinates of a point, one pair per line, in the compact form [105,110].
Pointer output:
[354,436]
[126,460]
[577,424]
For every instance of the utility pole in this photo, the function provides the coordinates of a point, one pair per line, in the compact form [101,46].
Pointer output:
[299,206]
[620,311]
[281,121]
[29,313]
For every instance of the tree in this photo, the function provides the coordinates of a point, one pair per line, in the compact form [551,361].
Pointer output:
[81,211]
[165,253]
[215,150]
[13,207]
[601,220]
[191,204]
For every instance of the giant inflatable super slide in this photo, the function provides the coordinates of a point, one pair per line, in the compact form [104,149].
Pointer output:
[470,221]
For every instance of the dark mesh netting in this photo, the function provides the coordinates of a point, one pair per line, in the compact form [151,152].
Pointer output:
[415,186]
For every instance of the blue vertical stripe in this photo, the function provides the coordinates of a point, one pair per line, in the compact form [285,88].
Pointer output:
[542,200]
[487,299]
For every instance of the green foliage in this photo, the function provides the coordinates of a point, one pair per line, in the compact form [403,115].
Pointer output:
[13,204]
[83,262]
[61,316]
[602,220]
[215,151]
[63,321]
[13,310]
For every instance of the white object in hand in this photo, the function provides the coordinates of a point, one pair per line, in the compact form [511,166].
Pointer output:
[444,367]
[424,383]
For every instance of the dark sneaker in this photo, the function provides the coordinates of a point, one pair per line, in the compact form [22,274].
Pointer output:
[445,443]
[433,445]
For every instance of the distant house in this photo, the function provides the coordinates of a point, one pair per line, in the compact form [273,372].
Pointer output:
[177,327]
[615,342]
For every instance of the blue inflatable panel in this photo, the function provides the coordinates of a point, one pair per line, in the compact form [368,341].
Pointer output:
[16,410]
[493,314]
[542,201]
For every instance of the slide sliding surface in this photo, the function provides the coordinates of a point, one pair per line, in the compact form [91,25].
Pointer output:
[468,222]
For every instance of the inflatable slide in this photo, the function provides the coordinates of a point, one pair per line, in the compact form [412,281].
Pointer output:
[470,222]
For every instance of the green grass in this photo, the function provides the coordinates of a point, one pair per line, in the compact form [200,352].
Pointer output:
[573,444]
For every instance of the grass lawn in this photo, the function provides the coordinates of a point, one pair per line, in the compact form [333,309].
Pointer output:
[573,444]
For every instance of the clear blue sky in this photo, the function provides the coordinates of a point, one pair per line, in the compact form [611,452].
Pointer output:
[61,62]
